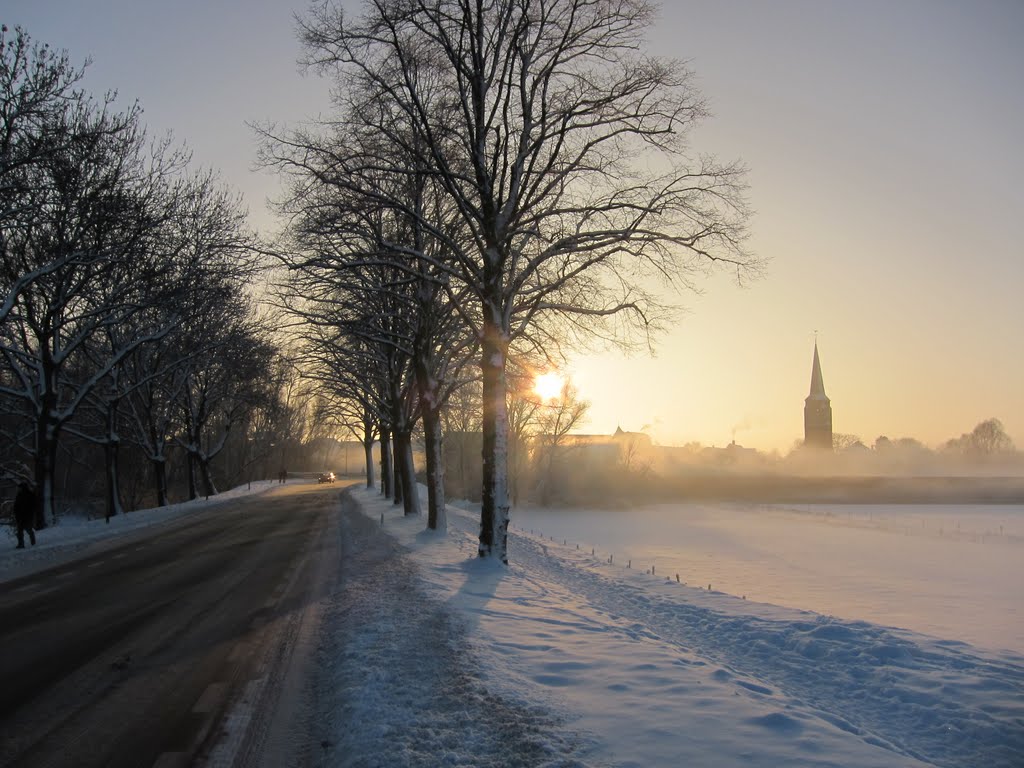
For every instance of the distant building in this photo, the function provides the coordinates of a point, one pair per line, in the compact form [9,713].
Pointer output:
[817,410]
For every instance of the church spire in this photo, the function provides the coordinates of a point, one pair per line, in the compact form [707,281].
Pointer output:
[817,383]
[817,410]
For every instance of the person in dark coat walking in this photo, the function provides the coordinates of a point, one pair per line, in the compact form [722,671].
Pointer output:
[24,513]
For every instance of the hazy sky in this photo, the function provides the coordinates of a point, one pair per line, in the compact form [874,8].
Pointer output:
[884,141]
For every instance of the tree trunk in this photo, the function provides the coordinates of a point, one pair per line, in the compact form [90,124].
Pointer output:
[464,467]
[407,473]
[494,506]
[436,517]
[368,457]
[396,463]
[387,477]
[110,453]
[427,385]
[45,464]
[193,487]
[368,451]
[159,464]
[209,487]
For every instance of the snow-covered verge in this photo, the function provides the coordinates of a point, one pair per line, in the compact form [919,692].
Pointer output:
[72,535]
[606,666]
[400,682]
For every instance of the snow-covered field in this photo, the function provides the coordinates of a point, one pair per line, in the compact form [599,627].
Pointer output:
[953,571]
[645,671]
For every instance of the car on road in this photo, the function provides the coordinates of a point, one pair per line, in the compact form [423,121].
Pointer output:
[325,477]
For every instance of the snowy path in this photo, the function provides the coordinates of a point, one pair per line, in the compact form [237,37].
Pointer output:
[653,673]
[401,686]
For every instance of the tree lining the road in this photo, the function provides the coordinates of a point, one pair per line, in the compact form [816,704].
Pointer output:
[126,282]
[376,327]
[552,157]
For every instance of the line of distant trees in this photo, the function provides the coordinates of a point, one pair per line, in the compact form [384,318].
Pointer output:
[988,441]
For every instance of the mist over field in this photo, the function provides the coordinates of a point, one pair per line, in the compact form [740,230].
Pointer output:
[627,468]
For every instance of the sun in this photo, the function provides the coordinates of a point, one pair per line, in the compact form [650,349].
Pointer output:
[548,386]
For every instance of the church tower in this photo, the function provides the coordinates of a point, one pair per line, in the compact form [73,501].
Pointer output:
[817,410]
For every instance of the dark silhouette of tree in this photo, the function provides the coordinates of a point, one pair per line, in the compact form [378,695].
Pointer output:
[369,268]
[987,439]
[842,442]
[87,215]
[542,124]
[38,99]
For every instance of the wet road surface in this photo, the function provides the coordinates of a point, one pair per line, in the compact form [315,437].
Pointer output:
[136,655]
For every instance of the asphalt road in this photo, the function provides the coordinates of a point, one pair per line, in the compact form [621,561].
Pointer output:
[186,644]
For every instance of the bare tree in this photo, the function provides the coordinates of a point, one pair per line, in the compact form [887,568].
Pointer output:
[842,442]
[37,96]
[988,438]
[87,217]
[351,399]
[358,322]
[346,415]
[111,259]
[461,421]
[542,123]
[555,421]
[210,256]
[158,380]
[369,268]
[221,388]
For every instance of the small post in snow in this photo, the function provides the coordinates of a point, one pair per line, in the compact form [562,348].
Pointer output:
[381,519]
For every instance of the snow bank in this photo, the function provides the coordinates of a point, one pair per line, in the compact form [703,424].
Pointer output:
[643,671]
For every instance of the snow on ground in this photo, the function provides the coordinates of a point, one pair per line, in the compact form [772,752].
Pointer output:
[73,534]
[953,571]
[400,683]
[604,665]
[567,659]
